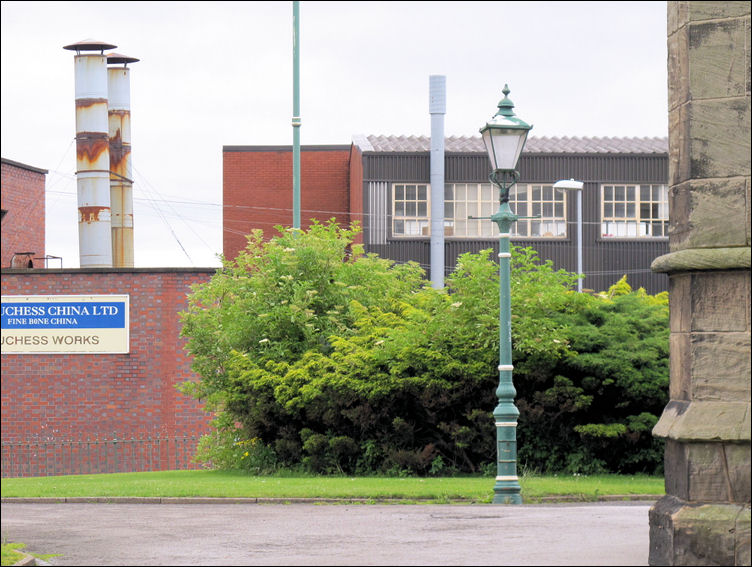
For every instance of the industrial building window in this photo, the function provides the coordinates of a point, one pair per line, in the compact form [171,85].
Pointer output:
[634,211]
[464,200]
[410,209]
[544,202]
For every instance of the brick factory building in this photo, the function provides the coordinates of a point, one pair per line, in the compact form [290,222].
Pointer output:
[383,183]
[257,192]
[23,215]
[67,409]
[55,405]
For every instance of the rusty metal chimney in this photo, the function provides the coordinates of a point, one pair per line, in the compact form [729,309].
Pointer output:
[121,182]
[92,154]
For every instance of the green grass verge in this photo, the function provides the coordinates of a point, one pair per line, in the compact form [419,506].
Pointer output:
[224,484]
[10,555]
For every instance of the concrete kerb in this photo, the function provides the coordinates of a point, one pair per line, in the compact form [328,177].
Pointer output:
[27,560]
[206,500]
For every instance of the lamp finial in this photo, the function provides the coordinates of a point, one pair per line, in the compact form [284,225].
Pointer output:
[505,105]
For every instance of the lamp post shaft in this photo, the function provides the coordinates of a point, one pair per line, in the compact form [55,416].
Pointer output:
[296,115]
[507,487]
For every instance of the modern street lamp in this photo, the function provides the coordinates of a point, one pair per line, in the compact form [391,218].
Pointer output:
[565,184]
[504,136]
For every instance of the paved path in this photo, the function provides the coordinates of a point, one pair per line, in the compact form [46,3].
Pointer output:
[332,534]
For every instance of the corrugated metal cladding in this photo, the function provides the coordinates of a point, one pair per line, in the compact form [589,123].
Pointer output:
[602,168]
[401,167]
[377,215]
[547,168]
[604,261]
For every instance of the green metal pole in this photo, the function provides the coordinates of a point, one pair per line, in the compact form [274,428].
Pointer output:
[507,486]
[296,115]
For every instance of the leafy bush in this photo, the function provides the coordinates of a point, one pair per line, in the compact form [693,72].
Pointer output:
[343,362]
[603,400]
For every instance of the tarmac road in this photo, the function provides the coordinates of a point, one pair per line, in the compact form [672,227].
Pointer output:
[331,534]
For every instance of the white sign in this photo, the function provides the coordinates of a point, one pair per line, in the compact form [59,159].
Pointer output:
[65,324]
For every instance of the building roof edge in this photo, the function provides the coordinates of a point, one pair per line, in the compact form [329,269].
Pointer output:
[24,166]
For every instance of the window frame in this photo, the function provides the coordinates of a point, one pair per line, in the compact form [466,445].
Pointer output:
[479,205]
[484,204]
[537,206]
[423,222]
[637,203]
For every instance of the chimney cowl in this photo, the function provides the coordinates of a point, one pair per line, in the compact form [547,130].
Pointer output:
[89,45]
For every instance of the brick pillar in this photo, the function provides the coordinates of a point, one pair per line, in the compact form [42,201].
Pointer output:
[704,519]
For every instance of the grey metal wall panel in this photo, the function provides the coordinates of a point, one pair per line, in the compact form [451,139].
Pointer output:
[378,212]
[651,168]
[461,168]
[397,167]
[596,168]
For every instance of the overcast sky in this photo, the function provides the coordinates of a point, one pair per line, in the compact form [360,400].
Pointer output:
[220,73]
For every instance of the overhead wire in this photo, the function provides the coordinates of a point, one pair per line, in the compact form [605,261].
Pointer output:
[153,202]
[260,223]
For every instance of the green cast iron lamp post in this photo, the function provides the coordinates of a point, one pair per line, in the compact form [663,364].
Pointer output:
[504,136]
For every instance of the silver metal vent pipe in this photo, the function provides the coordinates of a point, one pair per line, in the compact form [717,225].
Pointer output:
[121,174]
[437,109]
[92,154]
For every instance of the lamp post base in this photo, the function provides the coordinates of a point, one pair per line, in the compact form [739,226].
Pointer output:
[507,491]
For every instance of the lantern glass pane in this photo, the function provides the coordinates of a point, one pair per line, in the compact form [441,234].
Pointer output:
[489,147]
[506,144]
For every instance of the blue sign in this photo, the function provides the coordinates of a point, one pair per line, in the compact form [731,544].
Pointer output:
[64,315]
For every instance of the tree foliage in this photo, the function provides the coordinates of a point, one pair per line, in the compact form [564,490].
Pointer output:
[314,354]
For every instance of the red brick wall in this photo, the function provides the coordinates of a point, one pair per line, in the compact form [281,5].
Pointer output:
[67,396]
[257,190]
[22,196]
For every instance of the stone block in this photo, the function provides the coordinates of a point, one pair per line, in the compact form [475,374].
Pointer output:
[705,535]
[677,15]
[699,420]
[720,367]
[715,212]
[747,198]
[660,518]
[679,198]
[678,68]
[675,476]
[699,11]
[680,303]
[678,144]
[708,472]
[743,535]
[680,386]
[720,301]
[703,259]
[691,534]
[749,52]
[718,65]
[719,138]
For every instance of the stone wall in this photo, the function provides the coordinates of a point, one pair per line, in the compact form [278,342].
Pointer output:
[704,519]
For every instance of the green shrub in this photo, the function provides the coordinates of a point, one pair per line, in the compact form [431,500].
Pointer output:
[342,362]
